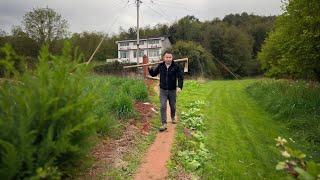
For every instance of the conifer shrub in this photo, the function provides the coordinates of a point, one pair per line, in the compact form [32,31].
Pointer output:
[10,62]
[50,114]
[46,118]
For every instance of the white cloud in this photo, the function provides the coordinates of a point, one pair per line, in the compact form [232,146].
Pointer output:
[98,15]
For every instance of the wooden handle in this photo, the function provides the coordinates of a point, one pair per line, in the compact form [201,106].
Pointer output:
[149,64]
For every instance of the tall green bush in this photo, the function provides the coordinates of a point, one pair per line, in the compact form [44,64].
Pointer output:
[45,117]
[49,113]
[231,46]
[201,62]
[292,49]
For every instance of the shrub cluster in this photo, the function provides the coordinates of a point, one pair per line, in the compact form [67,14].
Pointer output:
[49,115]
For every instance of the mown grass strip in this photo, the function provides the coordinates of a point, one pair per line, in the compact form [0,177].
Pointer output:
[239,132]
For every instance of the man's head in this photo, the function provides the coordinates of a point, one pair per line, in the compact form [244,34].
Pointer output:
[167,57]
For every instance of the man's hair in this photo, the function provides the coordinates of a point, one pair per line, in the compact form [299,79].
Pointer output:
[167,52]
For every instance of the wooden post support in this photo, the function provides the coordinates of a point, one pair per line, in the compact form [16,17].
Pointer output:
[145,68]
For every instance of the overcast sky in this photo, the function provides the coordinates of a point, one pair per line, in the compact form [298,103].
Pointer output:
[109,15]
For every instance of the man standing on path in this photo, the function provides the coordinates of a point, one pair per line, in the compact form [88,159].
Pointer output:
[169,72]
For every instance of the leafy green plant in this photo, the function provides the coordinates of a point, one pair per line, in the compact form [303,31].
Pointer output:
[194,122]
[295,163]
[191,152]
[192,119]
[193,159]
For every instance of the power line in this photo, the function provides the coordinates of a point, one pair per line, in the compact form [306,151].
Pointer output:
[118,15]
[132,3]
[164,12]
[163,15]
[142,17]
[125,1]
[118,3]
[180,7]
[103,37]
[170,2]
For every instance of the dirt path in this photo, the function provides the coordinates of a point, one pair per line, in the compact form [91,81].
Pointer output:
[153,165]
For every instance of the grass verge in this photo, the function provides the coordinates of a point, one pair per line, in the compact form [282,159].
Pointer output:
[239,132]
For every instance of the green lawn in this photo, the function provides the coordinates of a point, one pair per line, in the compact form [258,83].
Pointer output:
[240,134]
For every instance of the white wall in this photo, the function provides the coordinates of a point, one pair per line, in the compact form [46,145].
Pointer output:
[164,43]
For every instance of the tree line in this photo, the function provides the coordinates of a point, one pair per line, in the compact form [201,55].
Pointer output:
[247,44]
[292,49]
[234,40]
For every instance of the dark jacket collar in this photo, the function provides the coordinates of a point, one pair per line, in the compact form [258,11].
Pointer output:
[172,63]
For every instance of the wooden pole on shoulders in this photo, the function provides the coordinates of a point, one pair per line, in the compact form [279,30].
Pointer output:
[150,64]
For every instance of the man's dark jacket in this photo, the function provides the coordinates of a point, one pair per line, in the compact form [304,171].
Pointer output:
[168,76]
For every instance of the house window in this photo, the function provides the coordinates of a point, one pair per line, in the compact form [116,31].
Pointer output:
[124,44]
[153,42]
[124,54]
[154,52]
[140,43]
[141,53]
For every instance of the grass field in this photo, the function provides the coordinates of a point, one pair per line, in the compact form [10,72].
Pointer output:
[240,134]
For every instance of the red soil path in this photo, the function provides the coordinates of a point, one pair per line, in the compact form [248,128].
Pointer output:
[153,165]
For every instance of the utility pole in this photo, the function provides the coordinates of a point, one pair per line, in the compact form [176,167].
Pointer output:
[138,40]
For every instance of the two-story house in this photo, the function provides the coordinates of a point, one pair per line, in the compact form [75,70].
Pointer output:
[152,47]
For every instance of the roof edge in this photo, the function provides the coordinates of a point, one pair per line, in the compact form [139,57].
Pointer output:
[144,39]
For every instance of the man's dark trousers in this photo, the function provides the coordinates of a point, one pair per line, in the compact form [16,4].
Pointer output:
[164,96]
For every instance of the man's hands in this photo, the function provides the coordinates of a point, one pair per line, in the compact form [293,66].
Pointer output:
[178,90]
